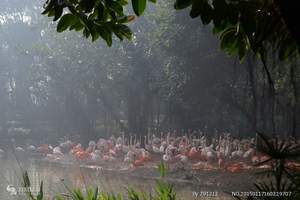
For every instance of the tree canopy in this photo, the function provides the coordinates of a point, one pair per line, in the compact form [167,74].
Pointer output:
[241,25]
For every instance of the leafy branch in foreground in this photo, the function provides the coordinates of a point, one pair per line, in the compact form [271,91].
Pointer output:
[95,18]
[241,25]
[246,25]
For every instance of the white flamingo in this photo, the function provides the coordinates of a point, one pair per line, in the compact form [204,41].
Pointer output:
[31,148]
[249,153]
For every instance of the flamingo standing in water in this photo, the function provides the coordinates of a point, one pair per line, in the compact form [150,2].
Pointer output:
[167,159]
[221,160]
[91,147]
[96,155]
[249,153]
[44,149]
[142,158]
[238,154]
[163,146]
[194,154]
[169,156]
[130,157]
[234,167]
[78,152]
[31,148]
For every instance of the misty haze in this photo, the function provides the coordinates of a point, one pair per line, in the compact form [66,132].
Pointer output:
[149,100]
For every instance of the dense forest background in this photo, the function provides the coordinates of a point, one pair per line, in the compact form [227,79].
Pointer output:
[172,76]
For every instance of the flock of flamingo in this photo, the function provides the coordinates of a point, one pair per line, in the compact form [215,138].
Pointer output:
[221,153]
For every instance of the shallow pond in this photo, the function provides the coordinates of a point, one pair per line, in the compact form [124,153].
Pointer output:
[57,176]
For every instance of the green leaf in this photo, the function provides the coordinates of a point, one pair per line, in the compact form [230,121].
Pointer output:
[153,1]
[26,180]
[95,194]
[58,12]
[41,194]
[244,45]
[66,21]
[87,5]
[202,8]
[121,31]
[117,8]
[77,26]
[229,41]
[181,4]
[93,15]
[51,13]
[101,12]
[123,2]
[162,169]
[139,6]
[217,29]
[48,7]
[196,9]
[86,32]
[94,33]
[58,198]
[106,34]
[123,19]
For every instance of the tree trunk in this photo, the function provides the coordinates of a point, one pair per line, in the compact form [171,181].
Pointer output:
[250,68]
